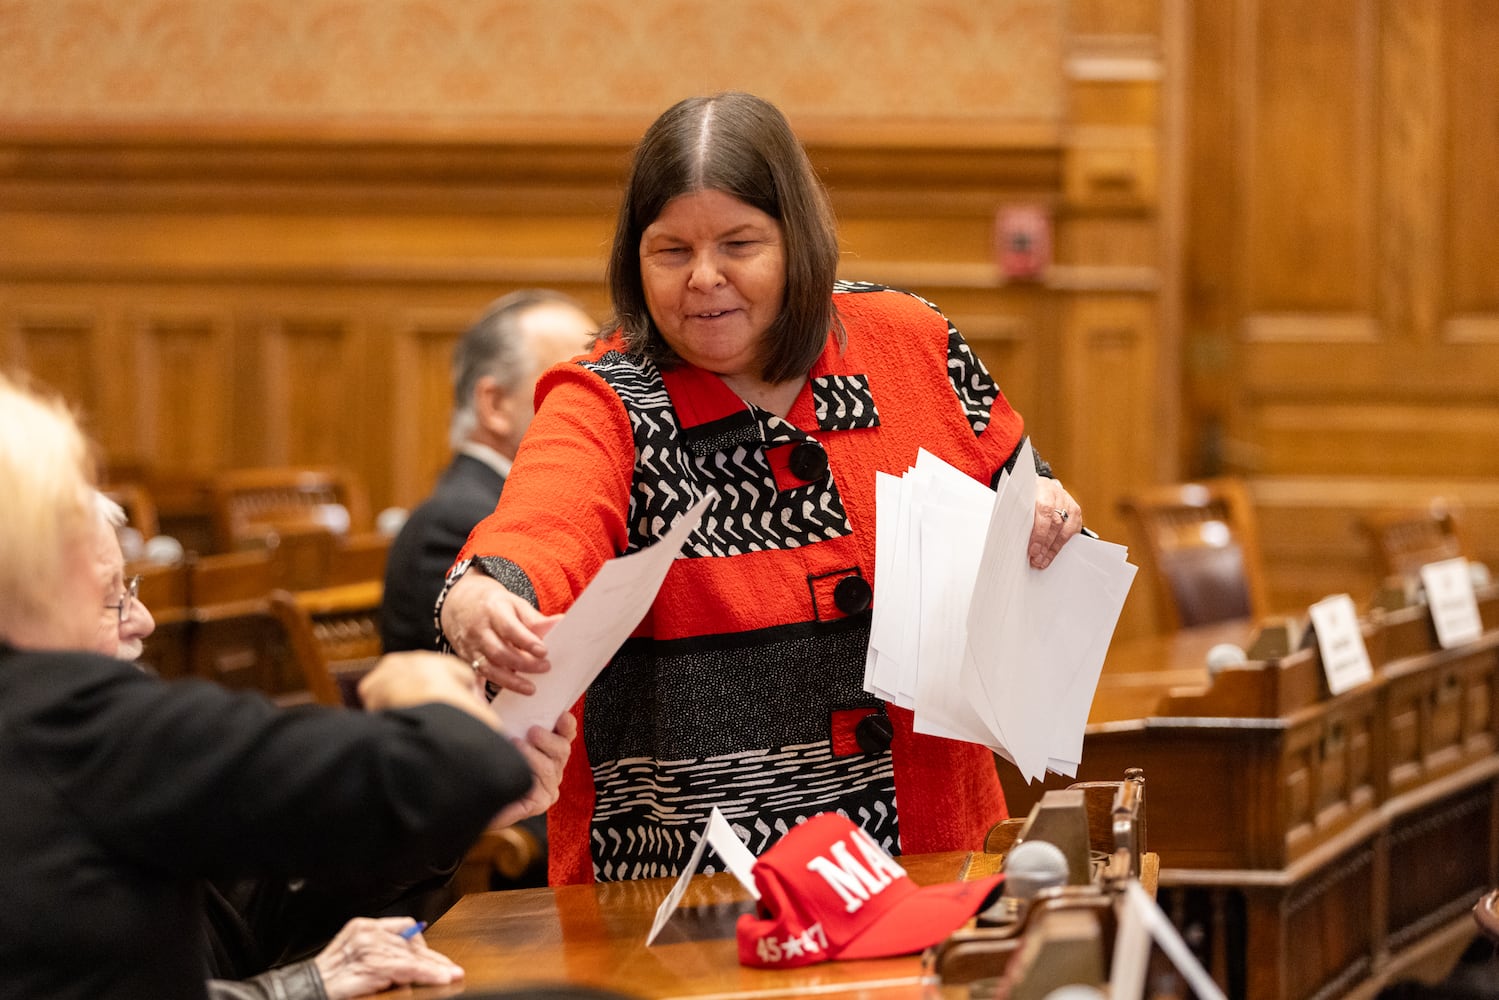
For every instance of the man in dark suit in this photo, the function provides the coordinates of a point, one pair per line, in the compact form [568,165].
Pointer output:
[495,368]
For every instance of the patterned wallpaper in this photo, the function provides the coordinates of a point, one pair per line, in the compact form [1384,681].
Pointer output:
[465,61]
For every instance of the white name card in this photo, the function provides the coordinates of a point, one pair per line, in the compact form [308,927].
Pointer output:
[1454,608]
[720,836]
[1345,660]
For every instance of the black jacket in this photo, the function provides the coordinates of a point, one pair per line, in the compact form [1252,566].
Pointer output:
[124,793]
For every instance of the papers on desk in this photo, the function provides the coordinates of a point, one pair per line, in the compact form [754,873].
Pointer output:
[965,633]
[597,624]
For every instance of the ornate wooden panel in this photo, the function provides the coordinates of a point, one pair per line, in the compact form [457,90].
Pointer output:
[1341,302]
[189,382]
[313,386]
[58,346]
[422,381]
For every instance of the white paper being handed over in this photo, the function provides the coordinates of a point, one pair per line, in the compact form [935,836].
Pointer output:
[597,624]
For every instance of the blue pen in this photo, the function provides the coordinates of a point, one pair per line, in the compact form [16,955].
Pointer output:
[414,930]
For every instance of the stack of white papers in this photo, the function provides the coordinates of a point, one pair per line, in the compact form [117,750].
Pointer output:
[981,646]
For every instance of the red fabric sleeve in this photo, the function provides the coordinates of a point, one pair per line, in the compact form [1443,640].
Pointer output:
[563,511]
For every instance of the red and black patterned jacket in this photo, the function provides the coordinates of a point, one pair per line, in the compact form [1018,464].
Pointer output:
[743,685]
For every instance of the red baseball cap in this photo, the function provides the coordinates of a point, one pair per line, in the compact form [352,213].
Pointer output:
[829,891]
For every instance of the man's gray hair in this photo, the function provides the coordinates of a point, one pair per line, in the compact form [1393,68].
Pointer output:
[493,347]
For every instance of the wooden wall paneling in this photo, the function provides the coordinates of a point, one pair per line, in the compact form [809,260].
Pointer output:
[1309,529]
[1359,436]
[1211,251]
[422,390]
[1411,130]
[313,281]
[60,347]
[1470,201]
[1114,18]
[1310,232]
[188,383]
[313,389]
[1115,345]
[1340,300]
[1109,366]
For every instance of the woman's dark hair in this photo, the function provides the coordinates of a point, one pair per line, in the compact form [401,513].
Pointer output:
[743,146]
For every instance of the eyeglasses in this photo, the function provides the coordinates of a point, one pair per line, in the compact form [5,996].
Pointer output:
[122,607]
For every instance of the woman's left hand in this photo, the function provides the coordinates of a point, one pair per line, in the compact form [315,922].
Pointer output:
[1058,518]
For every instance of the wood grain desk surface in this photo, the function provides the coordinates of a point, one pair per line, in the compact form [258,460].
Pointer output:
[594,935]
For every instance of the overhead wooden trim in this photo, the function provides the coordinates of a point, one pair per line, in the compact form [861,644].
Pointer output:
[54,165]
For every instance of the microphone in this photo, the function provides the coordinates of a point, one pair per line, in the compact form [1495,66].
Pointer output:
[132,543]
[1225,654]
[333,516]
[163,550]
[389,521]
[1031,865]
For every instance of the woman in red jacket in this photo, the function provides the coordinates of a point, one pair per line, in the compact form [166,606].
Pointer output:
[737,364]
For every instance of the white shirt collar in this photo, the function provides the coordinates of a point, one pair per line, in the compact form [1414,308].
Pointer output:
[499,463]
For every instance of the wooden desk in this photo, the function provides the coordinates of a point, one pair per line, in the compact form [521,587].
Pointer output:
[1317,846]
[594,935]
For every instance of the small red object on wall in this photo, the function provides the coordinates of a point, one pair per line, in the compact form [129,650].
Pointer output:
[1023,241]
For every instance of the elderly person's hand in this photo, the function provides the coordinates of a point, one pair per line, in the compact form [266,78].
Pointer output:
[370,955]
[401,680]
[1058,518]
[546,753]
[496,632]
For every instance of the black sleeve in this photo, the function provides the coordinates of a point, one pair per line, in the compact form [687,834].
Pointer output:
[202,781]
[1043,467]
[290,982]
[419,561]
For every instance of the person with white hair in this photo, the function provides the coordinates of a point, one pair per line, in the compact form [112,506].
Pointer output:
[365,955]
[126,794]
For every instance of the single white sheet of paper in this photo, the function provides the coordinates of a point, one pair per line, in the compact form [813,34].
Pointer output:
[887,627]
[599,621]
[720,836]
[1072,709]
[1345,659]
[1141,922]
[1454,608]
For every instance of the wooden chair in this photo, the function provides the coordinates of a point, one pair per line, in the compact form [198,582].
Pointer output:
[507,852]
[1199,544]
[164,592]
[334,636]
[234,639]
[1402,540]
[251,505]
[357,557]
[140,509]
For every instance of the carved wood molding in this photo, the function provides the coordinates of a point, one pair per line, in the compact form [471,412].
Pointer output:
[516,166]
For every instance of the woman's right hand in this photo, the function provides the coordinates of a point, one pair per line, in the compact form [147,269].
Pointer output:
[496,632]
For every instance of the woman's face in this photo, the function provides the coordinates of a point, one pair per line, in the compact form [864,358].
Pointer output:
[714,273]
